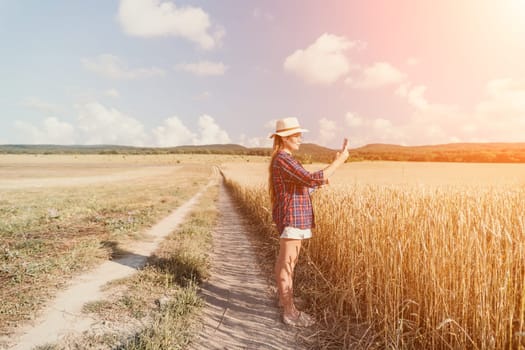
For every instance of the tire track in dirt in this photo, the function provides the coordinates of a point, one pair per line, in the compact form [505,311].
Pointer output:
[240,311]
[64,315]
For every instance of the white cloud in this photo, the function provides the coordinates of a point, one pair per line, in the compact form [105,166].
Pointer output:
[381,124]
[378,75]
[260,141]
[42,106]
[501,115]
[52,131]
[353,120]
[255,141]
[100,125]
[504,96]
[112,67]
[414,95]
[498,117]
[203,68]
[327,131]
[112,93]
[153,18]
[367,130]
[211,132]
[323,62]
[432,123]
[261,14]
[429,123]
[97,124]
[173,133]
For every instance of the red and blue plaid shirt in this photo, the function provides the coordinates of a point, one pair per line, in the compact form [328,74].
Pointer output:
[291,182]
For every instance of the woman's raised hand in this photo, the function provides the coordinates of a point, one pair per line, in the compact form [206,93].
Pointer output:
[344,151]
[340,158]
[345,144]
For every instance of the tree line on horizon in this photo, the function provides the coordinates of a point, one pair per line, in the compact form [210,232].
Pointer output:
[309,153]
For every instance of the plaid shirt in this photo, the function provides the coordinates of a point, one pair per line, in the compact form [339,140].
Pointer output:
[291,182]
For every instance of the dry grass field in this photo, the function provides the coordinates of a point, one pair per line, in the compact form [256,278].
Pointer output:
[61,215]
[410,255]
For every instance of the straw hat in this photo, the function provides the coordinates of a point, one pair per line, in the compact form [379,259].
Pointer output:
[286,127]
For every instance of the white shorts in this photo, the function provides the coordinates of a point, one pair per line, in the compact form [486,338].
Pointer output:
[296,233]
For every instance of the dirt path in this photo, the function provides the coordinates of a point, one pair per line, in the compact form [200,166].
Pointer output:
[240,310]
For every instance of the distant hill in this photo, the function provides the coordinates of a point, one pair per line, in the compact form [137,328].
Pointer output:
[307,150]
[113,149]
[454,152]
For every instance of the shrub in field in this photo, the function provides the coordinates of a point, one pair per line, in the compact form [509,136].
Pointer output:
[413,266]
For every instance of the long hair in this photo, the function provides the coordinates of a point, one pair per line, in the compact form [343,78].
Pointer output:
[277,146]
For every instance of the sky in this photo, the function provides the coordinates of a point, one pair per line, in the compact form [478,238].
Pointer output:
[163,73]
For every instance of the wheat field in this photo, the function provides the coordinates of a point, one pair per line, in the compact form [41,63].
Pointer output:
[411,255]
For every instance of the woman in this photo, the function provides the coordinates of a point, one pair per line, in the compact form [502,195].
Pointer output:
[290,186]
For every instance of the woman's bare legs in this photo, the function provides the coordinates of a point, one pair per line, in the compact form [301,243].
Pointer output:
[284,267]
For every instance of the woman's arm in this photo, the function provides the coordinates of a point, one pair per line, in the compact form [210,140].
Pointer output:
[340,158]
[295,172]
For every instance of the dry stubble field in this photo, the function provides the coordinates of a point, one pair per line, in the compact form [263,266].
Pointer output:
[410,255]
[61,215]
